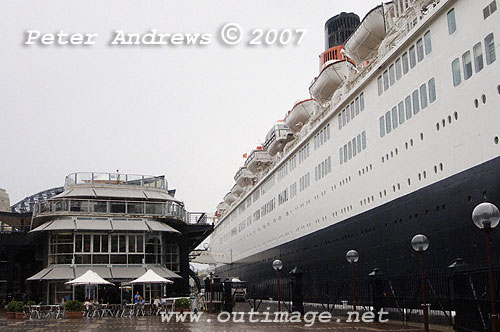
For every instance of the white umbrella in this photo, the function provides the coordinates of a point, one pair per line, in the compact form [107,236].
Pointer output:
[151,277]
[89,278]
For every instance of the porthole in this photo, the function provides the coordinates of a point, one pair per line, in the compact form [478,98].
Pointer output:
[437,126]
[380,194]
[399,186]
[392,154]
[435,169]
[449,118]
[382,159]
[409,182]
[443,206]
[496,140]
[443,123]
[387,156]
[416,215]
[396,151]
[371,167]
[427,212]
[385,192]
[367,168]
[421,136]
[425,174]
[469,199]
[394,188]
[484,194]
[406,145]
[456,115]
[437,208]
[483,98]
[440,166]
[409,218]
[372,198]
[419,177]
[498,89]
[411,142]
[476,103]
[359,173]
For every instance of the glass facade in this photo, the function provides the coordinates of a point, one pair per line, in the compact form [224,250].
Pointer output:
[120,248]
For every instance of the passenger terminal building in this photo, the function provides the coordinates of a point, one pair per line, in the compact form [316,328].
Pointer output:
[118,225]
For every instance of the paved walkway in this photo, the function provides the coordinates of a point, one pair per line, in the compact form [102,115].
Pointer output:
[154,323]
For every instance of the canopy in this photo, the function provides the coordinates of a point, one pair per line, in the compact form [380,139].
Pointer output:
[150,277]
[89,278]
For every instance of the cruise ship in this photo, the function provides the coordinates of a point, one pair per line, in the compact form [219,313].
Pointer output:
[399,136]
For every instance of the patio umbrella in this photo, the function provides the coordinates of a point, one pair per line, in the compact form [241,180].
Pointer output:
[89,278]
[151,277]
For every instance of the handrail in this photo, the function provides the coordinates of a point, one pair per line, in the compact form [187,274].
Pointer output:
[120,179]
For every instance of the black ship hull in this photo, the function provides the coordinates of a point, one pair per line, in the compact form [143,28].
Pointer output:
[441,211]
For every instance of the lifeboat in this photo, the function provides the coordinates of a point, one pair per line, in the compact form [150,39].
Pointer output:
[277,138]
[367,36]
[237,190]
[331,77]
[222,208]
[258,161]
[244,177]
[300,114]
[229,198]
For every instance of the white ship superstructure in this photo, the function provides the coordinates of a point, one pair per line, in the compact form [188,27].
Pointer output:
[411,101]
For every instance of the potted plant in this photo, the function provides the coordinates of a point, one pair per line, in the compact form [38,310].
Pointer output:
[74,309]
[182,304]
[19,309]
[11,309]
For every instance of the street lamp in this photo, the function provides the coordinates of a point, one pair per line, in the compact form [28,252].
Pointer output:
[420,243]
[277,266]
[352,257]
[486,217]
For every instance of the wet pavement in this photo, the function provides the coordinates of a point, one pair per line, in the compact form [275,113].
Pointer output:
[207,323]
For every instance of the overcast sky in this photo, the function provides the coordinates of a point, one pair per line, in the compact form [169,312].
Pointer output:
[188,112]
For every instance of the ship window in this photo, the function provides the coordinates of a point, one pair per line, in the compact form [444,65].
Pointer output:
[349,147]
[420,50]
[353,112]
[401,111]
[362,101]
[413,59]
[345,152]
[489,44]
[432,90]
[490,9]
[354,150]
[382,126]
[343,118]
[427,42]
[467,64]
[416,106]
[392,75]
[398,69]
[347,115]
[457,75]
[340,120]
[388,122]
[341,156]
[358,138]
[405,62]
[478,57]
[394,117]
[363,139]
[386,80]
[357,105]
[423,96]
[408,107]
[380,87]
[452,24]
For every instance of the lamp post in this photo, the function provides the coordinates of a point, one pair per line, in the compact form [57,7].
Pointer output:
[352,257]
[277,266]
[486,217]
[420,244]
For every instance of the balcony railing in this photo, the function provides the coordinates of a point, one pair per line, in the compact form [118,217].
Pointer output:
[101,207]
[92,178]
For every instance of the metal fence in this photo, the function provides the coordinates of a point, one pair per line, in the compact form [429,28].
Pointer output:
[459,298]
